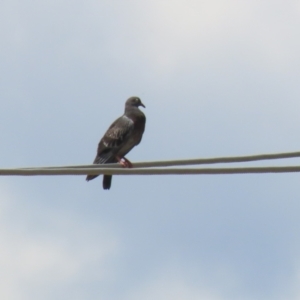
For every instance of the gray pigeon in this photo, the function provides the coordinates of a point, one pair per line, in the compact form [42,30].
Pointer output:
[122,135]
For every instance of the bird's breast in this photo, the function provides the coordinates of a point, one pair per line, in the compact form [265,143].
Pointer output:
[135,136]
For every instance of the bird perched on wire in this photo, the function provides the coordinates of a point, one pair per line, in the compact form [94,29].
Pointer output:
[122,135]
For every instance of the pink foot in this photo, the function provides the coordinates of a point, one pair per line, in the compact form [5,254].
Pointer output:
[124,162]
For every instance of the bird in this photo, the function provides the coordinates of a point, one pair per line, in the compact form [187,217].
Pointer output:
[123,134]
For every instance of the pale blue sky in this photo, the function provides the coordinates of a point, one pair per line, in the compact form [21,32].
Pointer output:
[218,78]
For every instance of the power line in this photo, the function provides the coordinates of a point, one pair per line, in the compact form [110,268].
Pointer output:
[186,162]
[149,171]
[148,168]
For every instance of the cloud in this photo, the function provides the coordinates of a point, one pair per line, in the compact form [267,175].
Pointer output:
[218,78]
[172,289]
[162,36]
[170,282]
[59,253]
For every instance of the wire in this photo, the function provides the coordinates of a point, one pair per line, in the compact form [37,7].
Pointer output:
[186,162]
[146,171]
[147,168]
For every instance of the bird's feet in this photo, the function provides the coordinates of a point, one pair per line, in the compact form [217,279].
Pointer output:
[124,162]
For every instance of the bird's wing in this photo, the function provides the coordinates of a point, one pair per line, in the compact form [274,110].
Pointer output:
[114,138]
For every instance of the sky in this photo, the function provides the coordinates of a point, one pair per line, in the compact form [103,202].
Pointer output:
[218,78]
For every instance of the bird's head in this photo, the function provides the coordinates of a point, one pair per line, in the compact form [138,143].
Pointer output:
[134,102]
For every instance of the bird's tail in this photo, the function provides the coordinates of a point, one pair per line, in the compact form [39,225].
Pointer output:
[106,178]
[90,177]
[106,182]
[98,160]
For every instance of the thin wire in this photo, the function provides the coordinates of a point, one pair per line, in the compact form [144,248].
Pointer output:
[186,162]
[153,171]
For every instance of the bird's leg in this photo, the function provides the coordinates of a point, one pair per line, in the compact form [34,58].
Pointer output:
[124,162]
[128,162]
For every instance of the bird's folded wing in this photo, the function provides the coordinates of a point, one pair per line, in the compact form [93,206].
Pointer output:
[114,139]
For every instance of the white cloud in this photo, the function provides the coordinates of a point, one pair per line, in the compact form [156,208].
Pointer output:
[222,71]
[168,35]
[169,283]
[31,260]
[294,292]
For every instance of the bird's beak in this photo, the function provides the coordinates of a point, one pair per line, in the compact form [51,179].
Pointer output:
[142,105]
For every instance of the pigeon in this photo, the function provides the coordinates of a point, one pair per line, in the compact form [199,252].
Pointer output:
[122,135]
